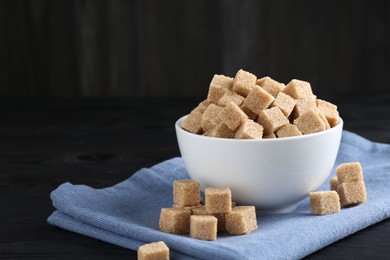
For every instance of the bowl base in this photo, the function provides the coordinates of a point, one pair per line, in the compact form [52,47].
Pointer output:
[282,210]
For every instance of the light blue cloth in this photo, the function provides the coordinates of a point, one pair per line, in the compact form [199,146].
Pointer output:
[127,214]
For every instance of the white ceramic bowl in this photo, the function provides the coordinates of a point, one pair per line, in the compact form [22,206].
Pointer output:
[271,174]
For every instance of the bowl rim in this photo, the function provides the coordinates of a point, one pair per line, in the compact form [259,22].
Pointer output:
[178,128]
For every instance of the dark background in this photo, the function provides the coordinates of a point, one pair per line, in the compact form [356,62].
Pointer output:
[153,48]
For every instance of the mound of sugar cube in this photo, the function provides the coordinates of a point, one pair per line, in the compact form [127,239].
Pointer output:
[188,215]
[351,187]
[347,188]
[245,107]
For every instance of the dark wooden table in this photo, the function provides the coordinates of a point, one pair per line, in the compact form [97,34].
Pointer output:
[44,143]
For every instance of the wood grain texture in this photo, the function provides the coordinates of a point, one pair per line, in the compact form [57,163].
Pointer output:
[100,142]
[100,48]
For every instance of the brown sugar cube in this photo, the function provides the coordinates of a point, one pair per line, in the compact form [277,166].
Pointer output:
[299,89]
[216,92]
[202,106]
[272,119]
[241,220]
[203,227]
[223,81]
[230,96]
[210,117]
[271,86]
[269,136]
[153,251]
[288,130]
[324,202]
[232,116]
[222,131]
[243,82]
[249,130]
[186,193]
[349,172]
[334,183]
[329,110]
[327,126]
[218,200]
[352,193]
[192,122]
[249,113]
[302,106]
[309,122]
[257,100]
[285,103]
[175,220]
[220,216]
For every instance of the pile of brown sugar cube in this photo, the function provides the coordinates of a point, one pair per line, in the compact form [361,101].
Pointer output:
[188,215]
[347,188]
[245,107]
